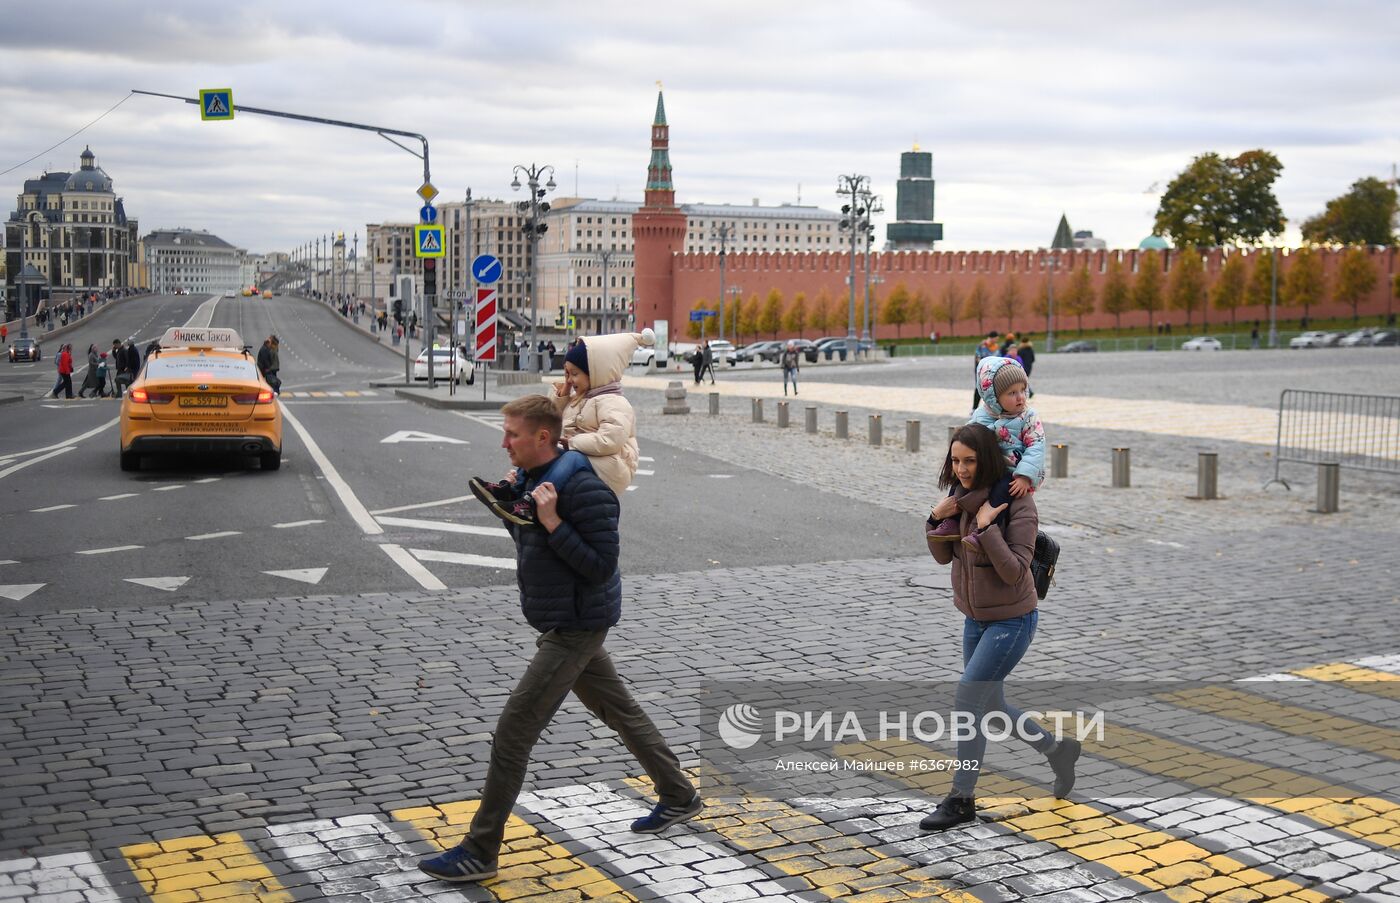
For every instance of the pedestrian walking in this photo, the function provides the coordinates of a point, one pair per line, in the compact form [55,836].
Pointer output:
[64,363]
[269,363]
[571,592]
[1026,351]
[4,334]
[791,366]
[994,590]
[90,378]
[707,358]
[1254,335]
[697,361]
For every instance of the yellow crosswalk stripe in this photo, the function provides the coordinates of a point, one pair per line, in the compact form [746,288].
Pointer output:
[191,869]
[351,393]
[1154,859]
[1354,677]
[1372,819]
[529,863]
[316,394]
[1295,720]
[841,868]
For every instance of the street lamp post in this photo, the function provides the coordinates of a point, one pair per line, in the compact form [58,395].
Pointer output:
[355,258]
[605,256]
[872,207]
[1050,301]
[722,233]
[535,207]
[1273,297]
[854,222]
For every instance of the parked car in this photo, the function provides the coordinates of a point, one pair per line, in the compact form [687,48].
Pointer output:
[442,364]
[1312,339]
[1079,346]
[1202,343]
[1360,337]
[757,351]
[24,350]
[1387,337]
[837,344]
[720,350]
[807,348]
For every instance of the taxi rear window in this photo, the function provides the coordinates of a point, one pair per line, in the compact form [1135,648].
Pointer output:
[202,368]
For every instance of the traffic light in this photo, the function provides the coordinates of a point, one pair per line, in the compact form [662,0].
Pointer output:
[429,276]
[559,316]
[398,311]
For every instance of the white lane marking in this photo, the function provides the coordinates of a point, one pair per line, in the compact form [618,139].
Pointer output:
[205,310]
[220,535]
[296,523]
[169,584]
[209,480]
[438,503]
[17,591]
[113,498]
[644,458]
[306,847]
[444,526]
[304,575]
[50,508]
[504,564]
[66,876]
[168,488]
[721,476]
[631,488]
[112,549]
[9,561]
[23,464]
[411,566]
[66,442]
[342,489]
[418,436]
[646,473]
[1167,543]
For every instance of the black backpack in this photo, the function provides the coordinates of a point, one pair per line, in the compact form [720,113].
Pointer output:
[1047,552]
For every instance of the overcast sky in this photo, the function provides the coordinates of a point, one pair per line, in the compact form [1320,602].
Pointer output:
[1030,109]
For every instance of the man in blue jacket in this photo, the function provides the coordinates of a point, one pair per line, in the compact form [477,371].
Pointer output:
[570,591]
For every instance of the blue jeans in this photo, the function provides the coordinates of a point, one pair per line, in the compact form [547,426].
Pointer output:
[790,373]
[560,471]
[991,649]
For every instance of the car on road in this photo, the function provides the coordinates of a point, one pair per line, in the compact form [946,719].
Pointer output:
[757,351]
[24,350]
[1079,346]
[1202,343]
[200,393]
[1315,339]
[1386,337]
[837,344]
[443,366]
[720,350]
[1359,338]
[228,293]
[267,293]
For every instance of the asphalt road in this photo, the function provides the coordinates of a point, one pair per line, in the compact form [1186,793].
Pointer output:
[371,496]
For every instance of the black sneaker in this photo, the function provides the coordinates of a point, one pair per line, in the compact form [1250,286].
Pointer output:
[1062,758]
[954,810]
[458,865]
[486,493]
[520,512]
[664,816]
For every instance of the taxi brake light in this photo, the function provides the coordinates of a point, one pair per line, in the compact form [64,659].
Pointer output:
[263,396]
[140,395]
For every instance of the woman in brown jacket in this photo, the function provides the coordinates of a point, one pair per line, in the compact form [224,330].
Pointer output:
[995,591]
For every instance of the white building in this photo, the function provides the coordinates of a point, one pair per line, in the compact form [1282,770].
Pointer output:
[196,262]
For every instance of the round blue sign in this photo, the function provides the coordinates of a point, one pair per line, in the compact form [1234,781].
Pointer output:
[427,214]
[486,269]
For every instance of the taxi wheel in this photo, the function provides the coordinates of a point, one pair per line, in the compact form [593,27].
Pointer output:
[131,461]
[270,460]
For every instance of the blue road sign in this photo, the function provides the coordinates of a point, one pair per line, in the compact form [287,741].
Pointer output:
[429,241]
[697,315]
[216,104]
[486,269]
[427,214]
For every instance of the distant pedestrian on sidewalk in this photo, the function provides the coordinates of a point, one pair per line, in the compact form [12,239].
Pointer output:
[791,366]
[994,590]
[707,362]
[697,361]
[90,383]
[571,592]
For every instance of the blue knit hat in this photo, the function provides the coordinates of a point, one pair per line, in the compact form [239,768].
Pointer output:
[578,356]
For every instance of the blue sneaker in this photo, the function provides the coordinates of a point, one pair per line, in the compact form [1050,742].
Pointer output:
[664,816]
[458,865]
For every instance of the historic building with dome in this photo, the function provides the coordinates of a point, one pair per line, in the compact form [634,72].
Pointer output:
[72,229]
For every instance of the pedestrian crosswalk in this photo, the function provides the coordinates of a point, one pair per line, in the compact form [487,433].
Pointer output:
[347,393]
[1238,830]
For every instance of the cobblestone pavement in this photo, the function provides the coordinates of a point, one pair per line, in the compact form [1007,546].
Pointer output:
[312,747]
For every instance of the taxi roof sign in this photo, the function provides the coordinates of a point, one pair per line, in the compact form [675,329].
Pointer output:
[201,337]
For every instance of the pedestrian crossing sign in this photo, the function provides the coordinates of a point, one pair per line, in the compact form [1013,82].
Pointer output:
[216,103]
[428,241]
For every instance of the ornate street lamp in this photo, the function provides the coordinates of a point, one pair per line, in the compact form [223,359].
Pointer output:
[535,208]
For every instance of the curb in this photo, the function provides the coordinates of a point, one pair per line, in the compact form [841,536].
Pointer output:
[10,399]
[460,404]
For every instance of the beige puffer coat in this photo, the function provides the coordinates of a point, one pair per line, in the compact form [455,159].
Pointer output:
[604,427]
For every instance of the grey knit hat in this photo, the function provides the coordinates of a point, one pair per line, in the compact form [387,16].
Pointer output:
[1007,376]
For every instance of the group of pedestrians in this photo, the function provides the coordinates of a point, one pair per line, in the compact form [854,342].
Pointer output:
[572,456]
[108,372]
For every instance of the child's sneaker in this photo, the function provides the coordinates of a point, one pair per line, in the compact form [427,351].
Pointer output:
[972,542]
[946,531]
[487,493]
[520,512]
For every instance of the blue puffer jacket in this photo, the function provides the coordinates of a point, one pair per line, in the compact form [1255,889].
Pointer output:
[569,578]
[1022,439]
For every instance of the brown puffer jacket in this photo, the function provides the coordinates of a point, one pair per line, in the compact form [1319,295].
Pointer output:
[996,583]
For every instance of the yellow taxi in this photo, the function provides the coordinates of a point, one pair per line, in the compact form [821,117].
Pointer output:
[267,293]
[247,293]
[201,392]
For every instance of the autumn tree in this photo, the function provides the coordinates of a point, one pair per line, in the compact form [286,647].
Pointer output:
[692,329]
[1117,292]
[1305,283]
[1362,216]
[976,306]
[1079,296]
[1187,285]
[795,320]
[897,310]
[948,306]
[821,312]
[921,309]
[749,313]
[770,319]
[1008,300]
[1259,290]
[1217,201]
[1147,288]
[1229,292]
[1355,280]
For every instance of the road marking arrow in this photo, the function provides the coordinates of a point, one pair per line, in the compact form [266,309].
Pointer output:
[416,436]
[169,584]
[304,575]
[17,591]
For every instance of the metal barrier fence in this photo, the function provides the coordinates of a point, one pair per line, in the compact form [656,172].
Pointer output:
[1357,431]
[1238,341]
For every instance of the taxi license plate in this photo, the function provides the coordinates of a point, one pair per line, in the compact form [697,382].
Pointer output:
[203,401]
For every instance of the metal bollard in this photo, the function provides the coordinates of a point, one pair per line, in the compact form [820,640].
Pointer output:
[1329,484]
[911,436]
[1207,473]
[714,404]
[1121,466]
[877,429]
[782,415]
[1059,460]
[757,410]
[841,431]
[811,418]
